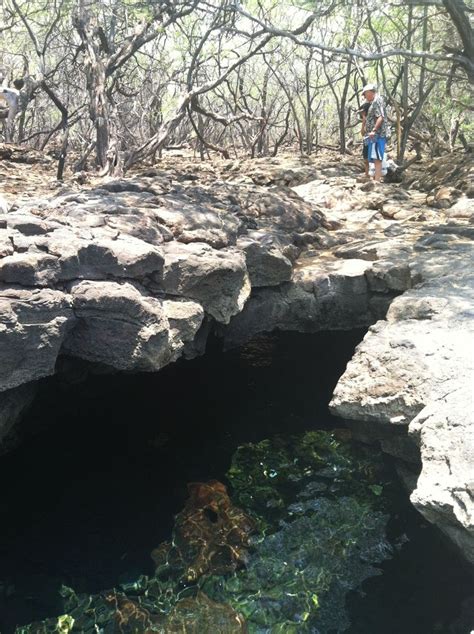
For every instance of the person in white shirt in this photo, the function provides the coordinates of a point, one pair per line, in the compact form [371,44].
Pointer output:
[12,98]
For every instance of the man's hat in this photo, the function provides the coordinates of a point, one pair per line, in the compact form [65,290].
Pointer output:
[372,87]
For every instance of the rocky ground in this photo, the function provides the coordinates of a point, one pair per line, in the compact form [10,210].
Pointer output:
[133,273]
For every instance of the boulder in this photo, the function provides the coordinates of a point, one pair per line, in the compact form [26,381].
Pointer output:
[144,227]
[266,264]
[185,319]
[6,245]
[95,259]
[29,269]
[217,279]
[359,250]
[33,325]
[463,208]
[118,326]
[444,197]
[385,276]
[28,224]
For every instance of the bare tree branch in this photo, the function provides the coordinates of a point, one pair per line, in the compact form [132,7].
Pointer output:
[458,57]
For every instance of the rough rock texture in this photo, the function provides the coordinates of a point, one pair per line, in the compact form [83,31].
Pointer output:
[134,273]
[266,264]
[454,171]
[33,326]
[124,272]
[122,327]
[218,279]
[323,295]
[414,373]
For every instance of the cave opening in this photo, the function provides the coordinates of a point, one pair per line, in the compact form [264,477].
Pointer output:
[96,483]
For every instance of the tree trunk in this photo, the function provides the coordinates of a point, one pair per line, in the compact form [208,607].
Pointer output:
[342,108]
[95,70]
[64,125]
[308,108]
[405,128]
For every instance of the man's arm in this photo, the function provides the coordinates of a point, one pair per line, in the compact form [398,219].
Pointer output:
[377,125]
[380,114]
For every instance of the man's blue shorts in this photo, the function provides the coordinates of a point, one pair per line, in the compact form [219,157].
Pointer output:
[377,149]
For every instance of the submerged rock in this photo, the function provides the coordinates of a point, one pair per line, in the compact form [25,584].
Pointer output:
[318,532]
[319,505]
[270,476]
[211,535]
[297,579]
[115,612]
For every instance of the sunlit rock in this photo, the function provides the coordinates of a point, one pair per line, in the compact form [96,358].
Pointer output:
[118,326]
[217,279]
[33,325]
[414,372]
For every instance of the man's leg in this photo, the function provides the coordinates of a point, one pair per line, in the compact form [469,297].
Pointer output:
[366,166]
[378,171]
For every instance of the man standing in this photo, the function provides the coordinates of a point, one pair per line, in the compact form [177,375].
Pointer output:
[376,127]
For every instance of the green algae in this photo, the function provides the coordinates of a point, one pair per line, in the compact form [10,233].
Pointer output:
[318,504]
[267,477]
[60,625]
[299,576]
[112,612]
